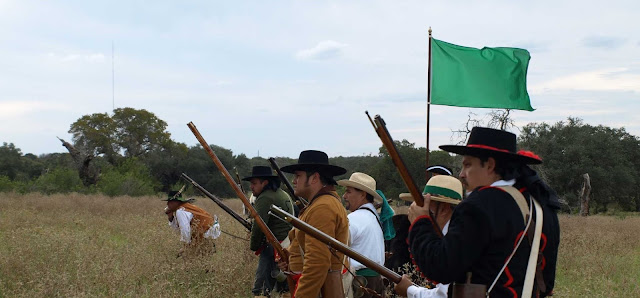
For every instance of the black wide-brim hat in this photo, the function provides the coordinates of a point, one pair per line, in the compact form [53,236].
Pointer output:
[313,160]
[261,172]
[488,142]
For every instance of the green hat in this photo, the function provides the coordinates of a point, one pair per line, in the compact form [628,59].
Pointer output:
[442,188]
[177,196]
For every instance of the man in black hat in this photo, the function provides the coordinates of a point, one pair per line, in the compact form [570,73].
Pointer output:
[265,186]
[486,227]
[316,269]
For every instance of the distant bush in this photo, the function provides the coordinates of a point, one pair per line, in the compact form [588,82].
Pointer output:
[130,178]
[59,180]
[6,184]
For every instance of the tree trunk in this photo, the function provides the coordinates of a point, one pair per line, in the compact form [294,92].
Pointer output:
[87,173]
[584,195]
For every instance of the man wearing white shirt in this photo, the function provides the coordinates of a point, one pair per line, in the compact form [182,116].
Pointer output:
[365,229]
[446,193]
[194,223]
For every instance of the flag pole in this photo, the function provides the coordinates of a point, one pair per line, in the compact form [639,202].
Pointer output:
[428,98]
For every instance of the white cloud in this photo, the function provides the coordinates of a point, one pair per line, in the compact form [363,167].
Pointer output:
[18,109]
[94,57]
[324,50]
[611,79]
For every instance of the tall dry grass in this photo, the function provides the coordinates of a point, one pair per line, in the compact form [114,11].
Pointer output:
[599,256]
[77,245]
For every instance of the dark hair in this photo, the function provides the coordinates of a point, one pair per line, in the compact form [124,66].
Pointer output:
[369,197]
[324,178]
[506,169]
[273,183]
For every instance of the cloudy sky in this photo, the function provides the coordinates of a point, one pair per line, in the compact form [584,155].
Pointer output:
[278,78]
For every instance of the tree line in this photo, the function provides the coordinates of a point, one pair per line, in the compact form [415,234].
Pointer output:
[130,152]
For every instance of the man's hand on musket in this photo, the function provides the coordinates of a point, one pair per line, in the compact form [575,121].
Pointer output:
[416,211]
[401,288]
[283,261]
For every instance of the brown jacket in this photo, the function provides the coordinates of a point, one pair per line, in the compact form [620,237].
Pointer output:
[201,222]
[327,214]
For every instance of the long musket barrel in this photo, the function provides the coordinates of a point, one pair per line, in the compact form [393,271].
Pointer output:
[257,219]
[218,201]
[335,244]
[287,184]
[381,129]
[238,180]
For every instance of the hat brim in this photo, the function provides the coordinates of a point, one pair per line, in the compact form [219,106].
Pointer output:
[259,176]
[322,168]
[180,200]
[407,197]
[348,183]
[464,150]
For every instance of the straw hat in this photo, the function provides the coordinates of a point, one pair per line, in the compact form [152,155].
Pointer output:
[362,182]
[442,188]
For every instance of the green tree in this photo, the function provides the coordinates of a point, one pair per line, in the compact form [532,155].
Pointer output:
[571,148]
[139,131]
[10,160]
[95,134]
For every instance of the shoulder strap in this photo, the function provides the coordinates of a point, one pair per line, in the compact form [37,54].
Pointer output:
[527,289]
[375,215]
[519,199]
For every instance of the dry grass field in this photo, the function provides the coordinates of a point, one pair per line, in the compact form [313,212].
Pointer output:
[77,245]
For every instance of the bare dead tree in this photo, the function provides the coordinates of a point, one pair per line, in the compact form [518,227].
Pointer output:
[584,195]
[501,119]
[463,133]
[88,174]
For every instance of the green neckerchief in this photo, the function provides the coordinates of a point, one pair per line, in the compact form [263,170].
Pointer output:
[386,213]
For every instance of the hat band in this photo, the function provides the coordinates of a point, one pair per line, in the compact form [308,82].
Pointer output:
[488,147]
[437,190]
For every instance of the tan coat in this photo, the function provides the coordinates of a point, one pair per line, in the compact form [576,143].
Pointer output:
[327,214]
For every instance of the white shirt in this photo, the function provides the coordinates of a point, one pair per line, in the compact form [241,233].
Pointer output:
[366,236]
[440,291]
[182,221]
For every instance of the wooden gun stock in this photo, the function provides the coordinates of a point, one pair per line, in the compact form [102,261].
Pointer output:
[218,201]
[299,201]
[335,244]
[257,219]
[381,129]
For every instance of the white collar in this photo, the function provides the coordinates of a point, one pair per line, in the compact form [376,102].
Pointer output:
[504,182]
[499,183]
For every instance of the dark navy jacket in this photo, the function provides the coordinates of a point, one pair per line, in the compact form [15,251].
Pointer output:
[483,231]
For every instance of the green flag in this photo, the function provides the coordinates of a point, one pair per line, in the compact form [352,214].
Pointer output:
[479,78]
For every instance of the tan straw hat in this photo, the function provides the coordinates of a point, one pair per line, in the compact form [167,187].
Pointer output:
[362,182]
[442,188]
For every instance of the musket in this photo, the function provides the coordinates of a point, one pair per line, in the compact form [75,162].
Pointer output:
[257,219]
[335,244]
[381,129]
[218,201]
[238,180]
[299,200]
